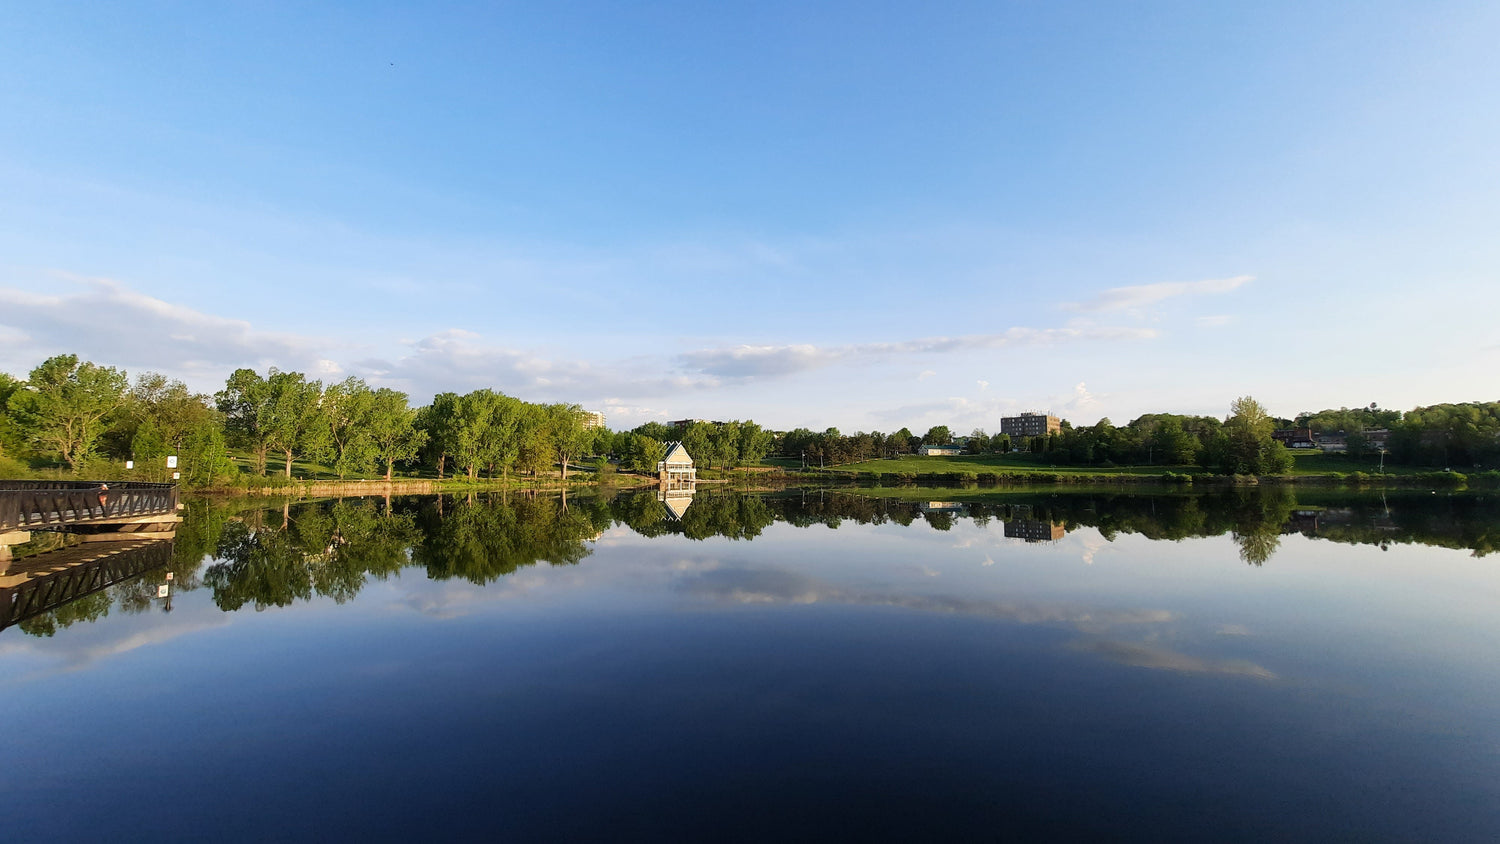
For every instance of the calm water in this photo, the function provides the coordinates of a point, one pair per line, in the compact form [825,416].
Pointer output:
[1247,666]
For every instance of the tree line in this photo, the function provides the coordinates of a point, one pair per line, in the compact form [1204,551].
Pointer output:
[70,412]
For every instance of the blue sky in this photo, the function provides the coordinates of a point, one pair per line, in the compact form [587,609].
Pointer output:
[862,215]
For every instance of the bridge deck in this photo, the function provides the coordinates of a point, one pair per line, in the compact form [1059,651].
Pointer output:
[27,505]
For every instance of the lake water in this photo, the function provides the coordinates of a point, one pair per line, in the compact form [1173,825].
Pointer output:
[1240,666]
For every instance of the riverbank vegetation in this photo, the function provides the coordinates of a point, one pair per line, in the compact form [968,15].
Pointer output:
[78,418]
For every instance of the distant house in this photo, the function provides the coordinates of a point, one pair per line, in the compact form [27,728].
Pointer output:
[1334,441]
[676,471]
[937,450]
[592,419]
[1295,437]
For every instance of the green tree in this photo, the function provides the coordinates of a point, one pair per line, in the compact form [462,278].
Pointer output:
[10,432]
[568,435]
[148,445]
[346,416]
[245,403]
[937,435]
[174,409]
[392,429]
[204,459]
[645,453]
[473,421]
[1247,446]
[292,418]
[755,443]
[439,421]
[65,404]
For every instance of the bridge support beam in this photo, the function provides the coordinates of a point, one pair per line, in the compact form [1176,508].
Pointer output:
[9,538]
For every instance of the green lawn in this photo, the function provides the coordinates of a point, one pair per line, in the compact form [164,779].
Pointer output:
[1313,462]
[917,465]
[1308,462]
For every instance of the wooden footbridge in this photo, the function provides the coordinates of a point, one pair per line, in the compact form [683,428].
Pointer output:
[96,509]
[122,529]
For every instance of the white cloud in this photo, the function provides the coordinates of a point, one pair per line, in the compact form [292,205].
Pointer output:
[1139,296]
[763,361]
[983,385]
[1214,321]
[104,320]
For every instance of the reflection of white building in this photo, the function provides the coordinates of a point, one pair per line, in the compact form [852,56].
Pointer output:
[942,507]
[940,450]
[675,471]
[677,500]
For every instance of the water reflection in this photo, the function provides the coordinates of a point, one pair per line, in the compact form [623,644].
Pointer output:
[753,661]
[248,555]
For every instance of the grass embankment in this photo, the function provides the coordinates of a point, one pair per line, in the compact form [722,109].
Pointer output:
[1031,469]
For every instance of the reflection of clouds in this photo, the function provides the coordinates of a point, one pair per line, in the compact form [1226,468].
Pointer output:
[1150,656]
[80,647]
[778,586]
[1092,543]
[1233,630]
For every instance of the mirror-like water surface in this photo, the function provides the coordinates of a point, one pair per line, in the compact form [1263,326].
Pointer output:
[1250,665]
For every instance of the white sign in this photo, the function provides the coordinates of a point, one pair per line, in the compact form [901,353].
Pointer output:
[172,462]
[169,575]
[163,590]
[176,476]
[130,464]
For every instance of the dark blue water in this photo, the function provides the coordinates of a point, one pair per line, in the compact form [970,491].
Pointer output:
[837,671]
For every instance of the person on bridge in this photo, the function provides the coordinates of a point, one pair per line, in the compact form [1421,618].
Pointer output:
[103,495]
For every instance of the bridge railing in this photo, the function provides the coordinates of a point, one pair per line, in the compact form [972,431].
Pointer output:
[37,504]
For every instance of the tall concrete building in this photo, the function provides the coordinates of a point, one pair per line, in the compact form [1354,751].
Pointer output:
[1030,424]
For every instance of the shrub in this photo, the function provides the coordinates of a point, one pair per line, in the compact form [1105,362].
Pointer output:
[1447,480]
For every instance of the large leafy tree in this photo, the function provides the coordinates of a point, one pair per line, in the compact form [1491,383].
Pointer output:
[473,420]
[10,432]
[937,435]
[439,421]
[567,434]
[1245,444]
[345,415]
[245,403]
[65,404]
[292,418]
[392,430]
[175,410]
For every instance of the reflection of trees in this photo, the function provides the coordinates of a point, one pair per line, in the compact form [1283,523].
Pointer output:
[325,550]
[1260,517]
[939,519]
[484,539]
[88,608]
[730,515]
[291,553]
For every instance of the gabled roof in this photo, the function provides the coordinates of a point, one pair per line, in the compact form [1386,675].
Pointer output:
[673,448]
